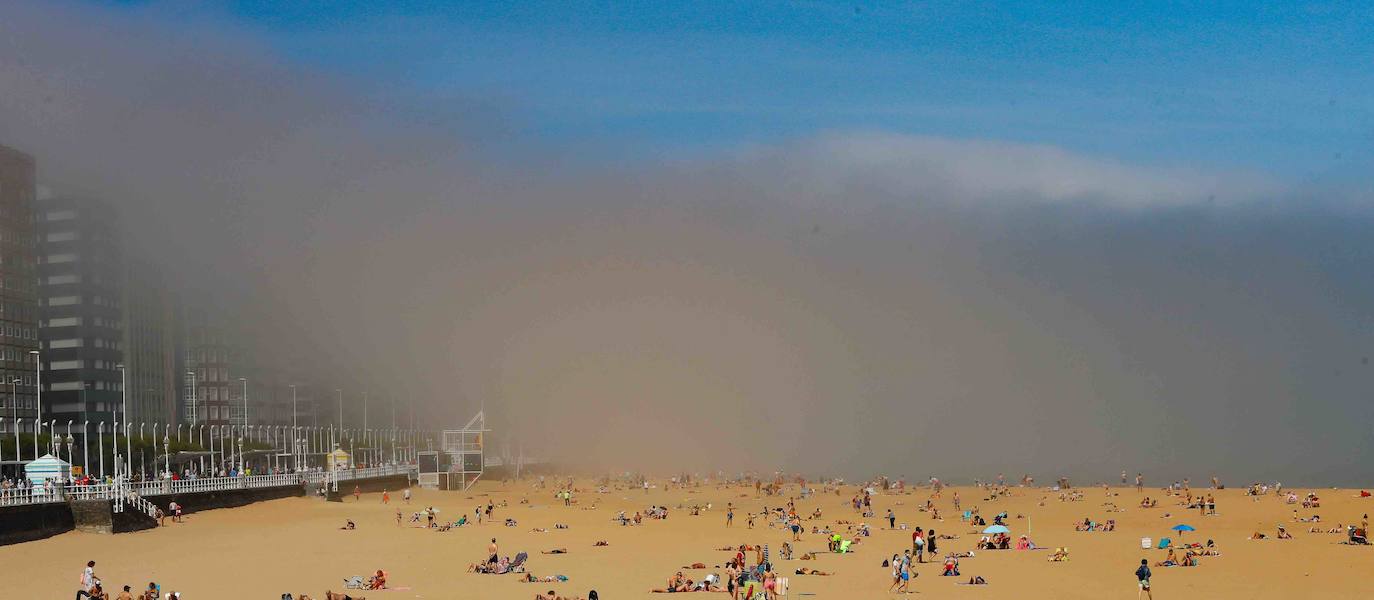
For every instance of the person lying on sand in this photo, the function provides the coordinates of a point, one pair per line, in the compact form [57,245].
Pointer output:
[328,595]
[556,551]
[810,571]
[676,583]
[1283,534]
[602,543]
[349,526]
[550,595]
[1257,536]
[1169,561]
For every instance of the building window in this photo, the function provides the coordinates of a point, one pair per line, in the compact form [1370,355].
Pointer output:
[66,343]
[64,300]
[60,215]
[62,258]
[61,236]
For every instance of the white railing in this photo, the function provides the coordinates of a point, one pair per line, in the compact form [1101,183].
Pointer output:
[134,492]
[35,495]
[143,505]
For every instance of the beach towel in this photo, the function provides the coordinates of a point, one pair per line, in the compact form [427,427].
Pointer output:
[1164,543]
[780,586]
[353,583]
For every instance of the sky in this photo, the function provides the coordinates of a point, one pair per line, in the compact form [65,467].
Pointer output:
[920,239]
[1279,87]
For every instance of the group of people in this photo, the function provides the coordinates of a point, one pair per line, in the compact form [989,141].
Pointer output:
[92,587]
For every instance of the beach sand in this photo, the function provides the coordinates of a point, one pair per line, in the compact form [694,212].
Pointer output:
[295,545]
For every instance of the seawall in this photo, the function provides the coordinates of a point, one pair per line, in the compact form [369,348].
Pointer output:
[37,521]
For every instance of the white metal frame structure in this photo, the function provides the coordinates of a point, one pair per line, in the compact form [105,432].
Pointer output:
[466,449]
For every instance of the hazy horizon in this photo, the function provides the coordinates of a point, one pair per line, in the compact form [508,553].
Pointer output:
[639,273]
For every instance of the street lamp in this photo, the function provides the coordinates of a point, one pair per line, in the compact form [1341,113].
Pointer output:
[244,381]
[38,393]
[86,448]
[14,405]
[195,398]
[38,380]
[124,402]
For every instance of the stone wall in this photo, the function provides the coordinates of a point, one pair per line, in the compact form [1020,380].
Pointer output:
[33,522]
[93,516]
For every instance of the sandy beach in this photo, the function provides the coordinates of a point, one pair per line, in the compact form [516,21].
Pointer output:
[296,545]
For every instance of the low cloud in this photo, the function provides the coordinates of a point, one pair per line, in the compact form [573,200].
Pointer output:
[847,303]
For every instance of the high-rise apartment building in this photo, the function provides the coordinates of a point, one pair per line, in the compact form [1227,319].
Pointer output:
[81,290]
[152,345]
[18,290]
[209,355]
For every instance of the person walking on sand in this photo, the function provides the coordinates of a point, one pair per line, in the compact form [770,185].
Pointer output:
[905,575]
[492,551]
[729,514]
[1142,576]
[386,497]
[88,581]
[357,494]
[406,495]
[891,519]
[1139,482]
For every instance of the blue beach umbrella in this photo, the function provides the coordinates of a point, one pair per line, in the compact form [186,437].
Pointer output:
[1182,527]
[997,529]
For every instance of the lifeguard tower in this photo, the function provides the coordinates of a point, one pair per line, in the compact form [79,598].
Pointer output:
[459,461]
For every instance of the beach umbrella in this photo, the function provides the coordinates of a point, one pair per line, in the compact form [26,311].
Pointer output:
[997,529]
[1181,528]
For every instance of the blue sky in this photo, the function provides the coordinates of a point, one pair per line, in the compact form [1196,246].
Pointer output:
[1285,89]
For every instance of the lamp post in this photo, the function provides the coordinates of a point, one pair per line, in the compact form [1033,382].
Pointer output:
[14,409]
[244,382]
[142,464]
[38,381]
[38,395]
[100,450]
[295,448]
[195,398]
[86,447]
[124,402]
